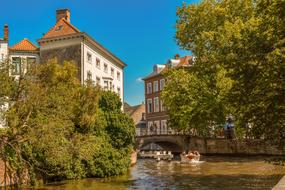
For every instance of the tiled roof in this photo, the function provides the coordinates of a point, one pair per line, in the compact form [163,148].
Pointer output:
[184,62]
[24,45]
[61,28]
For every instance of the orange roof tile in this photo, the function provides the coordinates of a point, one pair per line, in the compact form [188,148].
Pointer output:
[61,28]
[184,61]
[24,45]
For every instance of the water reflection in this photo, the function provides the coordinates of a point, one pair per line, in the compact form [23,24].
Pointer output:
[215,173]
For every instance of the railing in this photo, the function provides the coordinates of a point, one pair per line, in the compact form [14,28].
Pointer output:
[142,133]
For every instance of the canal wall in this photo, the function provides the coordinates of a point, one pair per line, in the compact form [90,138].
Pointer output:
[238,147]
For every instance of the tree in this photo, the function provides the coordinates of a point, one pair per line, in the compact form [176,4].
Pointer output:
[246,38]
[197,103]
[58,130]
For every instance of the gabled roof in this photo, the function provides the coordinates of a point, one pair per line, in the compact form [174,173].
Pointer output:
[24,45]
[61,28]
[64,30]
[183,62]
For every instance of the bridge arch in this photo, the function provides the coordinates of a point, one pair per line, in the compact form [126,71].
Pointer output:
[173,143]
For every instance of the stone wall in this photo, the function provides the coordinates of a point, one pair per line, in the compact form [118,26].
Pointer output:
[238,147]
[68,53]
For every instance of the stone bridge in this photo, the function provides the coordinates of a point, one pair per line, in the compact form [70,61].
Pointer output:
[170,142]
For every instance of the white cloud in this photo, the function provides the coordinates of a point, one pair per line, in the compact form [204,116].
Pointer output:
[139,79]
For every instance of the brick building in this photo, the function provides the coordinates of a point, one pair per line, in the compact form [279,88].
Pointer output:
[156,114]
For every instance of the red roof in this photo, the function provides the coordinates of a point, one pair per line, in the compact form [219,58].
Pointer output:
[24,45]
[61,28]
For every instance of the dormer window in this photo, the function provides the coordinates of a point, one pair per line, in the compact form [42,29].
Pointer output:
[59,28]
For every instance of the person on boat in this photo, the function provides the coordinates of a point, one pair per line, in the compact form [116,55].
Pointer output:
[197,155]
[191,155]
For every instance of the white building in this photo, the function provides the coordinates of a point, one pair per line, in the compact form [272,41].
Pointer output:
[67,43]
[22,56]
[4,45]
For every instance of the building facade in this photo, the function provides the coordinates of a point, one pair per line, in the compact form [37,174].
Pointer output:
[22,55]
[67,43]
[156,114]
[137,113]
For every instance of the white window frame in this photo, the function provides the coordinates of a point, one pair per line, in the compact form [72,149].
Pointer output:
[98,81]
[149,108]
[112,71]
[162,83]
[155,86]
[105,67]
[157,126]
[106,85]
[164,126]
[156,104]
[149,88]
[162,108]
[98,63]
[118,75]
[89,57]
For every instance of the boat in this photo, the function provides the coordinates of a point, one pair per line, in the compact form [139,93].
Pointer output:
[191,157]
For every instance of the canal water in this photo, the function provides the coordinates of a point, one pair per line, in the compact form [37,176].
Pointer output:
[215,173]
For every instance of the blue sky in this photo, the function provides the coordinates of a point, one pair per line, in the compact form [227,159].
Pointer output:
[140,32]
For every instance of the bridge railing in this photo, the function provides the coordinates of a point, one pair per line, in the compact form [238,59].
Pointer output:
[141,133]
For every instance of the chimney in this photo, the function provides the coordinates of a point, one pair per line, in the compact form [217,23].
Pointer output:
[177,56]
[63,13]
[6,32]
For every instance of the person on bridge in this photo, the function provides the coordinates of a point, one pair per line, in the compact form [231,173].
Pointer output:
[229,128]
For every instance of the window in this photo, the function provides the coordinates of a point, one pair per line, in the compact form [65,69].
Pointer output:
[89,57]
[162,81]
[157,126]
[149,105]
[149,88]
[119,91]
[162,108]
[155,84]
[105,68]
[118,75]
[16,61]
[106,85]
[156,104]
[112,87]
[30,62]
[112,72]
[150,127]
[89,75]
[59,28]
[98,81]
[98,63]
[163,126]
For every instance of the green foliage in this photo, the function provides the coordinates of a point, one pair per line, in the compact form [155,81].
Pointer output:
[247,39]
[59,129]
[197,103]
[110,102]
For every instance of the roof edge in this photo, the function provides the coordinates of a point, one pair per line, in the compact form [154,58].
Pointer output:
[105,50]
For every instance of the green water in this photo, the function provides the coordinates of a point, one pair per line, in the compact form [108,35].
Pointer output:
[229,173]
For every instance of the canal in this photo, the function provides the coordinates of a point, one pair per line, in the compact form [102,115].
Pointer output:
[215,173]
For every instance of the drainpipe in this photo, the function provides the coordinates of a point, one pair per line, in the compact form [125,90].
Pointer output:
[82,62]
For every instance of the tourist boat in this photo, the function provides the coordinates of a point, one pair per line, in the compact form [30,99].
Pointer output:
[192,157]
